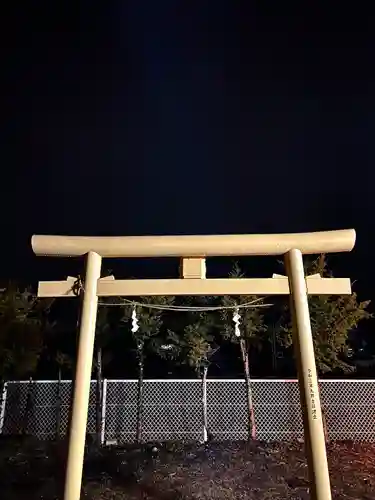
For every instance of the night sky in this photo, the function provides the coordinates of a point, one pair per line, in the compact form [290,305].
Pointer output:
[183,117]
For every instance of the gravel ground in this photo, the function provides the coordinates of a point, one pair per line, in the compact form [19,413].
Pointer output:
[233,470]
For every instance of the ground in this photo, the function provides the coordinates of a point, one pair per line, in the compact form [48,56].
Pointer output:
[34,470]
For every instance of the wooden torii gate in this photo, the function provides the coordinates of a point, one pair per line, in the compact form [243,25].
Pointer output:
[193,250]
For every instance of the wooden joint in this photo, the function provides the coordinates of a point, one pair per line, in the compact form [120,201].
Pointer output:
[193,268]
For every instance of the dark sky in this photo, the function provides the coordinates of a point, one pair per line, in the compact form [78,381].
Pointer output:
[165,117]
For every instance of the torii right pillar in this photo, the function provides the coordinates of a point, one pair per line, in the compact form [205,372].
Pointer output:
[307,378]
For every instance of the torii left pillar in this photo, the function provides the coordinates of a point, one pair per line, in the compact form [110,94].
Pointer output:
[81,396]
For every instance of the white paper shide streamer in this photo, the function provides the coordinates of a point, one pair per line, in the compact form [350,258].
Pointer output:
[236,321]
[135,326]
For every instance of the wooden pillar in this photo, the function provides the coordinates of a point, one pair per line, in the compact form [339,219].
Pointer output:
[307,378]
[77,436]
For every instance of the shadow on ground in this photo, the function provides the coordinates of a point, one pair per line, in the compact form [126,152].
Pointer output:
[31,469]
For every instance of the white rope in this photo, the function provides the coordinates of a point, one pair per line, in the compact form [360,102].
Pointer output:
[132,303]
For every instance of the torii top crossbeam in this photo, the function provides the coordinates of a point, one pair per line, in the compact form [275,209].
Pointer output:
[194,246]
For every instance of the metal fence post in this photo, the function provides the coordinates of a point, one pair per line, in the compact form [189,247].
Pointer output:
[104,401]
[2,405]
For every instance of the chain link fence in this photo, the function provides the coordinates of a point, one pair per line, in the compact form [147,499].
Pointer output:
[40,408]
[172,409]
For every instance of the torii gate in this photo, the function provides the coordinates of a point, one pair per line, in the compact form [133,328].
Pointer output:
[193,250]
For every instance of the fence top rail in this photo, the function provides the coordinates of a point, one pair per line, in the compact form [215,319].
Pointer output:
[196,381]
[194,246]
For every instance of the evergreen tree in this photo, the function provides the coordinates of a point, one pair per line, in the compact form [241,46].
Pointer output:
[23,321]
[150,322]
[332,318]
[195,346]
[252,330]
